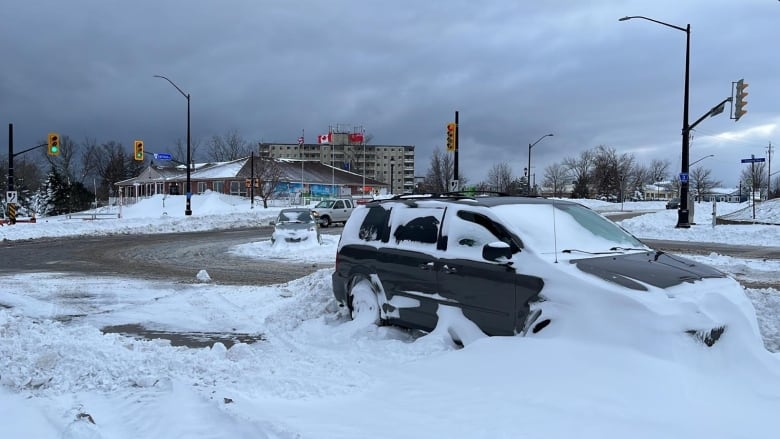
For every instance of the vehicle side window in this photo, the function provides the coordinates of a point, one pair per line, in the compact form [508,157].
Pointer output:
[423,229]
[375,226]
[487,229]
[414,226]
[348,204]
[339,205]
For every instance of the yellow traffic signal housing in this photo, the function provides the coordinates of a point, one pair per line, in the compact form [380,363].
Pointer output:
[739,104]
[139,150]
[53,144]
[451,136]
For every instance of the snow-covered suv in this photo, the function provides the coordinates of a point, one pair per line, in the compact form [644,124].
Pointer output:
[515,265]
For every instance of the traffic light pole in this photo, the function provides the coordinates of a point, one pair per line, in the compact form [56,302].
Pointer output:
[455,163]
[10,188]
[11,203]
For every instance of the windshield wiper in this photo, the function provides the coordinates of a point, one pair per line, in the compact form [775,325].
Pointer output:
[625,249]
[574,250]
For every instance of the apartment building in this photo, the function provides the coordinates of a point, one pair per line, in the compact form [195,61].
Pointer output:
[392,164]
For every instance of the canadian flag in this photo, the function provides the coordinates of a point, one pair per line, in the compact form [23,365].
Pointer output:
[324,138]
[356,137]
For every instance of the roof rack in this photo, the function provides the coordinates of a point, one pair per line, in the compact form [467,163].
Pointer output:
[449,195]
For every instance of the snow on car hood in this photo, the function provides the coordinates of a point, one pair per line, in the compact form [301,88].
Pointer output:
[584,301]
[655,268]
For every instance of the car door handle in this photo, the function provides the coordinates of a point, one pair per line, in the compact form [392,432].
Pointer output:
[426,266]
[449,270]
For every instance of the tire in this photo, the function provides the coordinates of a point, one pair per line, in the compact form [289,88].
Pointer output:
[363,303]
[326,221]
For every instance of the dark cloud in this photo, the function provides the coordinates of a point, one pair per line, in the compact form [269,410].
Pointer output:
[514,71]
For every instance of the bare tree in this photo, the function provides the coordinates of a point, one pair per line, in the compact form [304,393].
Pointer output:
[580,169]
[701,181]
[115,165]
[658,170]
[556,176]
[91,158]
[439,172]
[229,147]
[639,178]
[754,177]
[611,171]
[269,173]
[499,178]
[65,161]
[180,150]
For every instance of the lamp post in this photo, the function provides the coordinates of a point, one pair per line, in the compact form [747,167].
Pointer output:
[188,207]
[392,168]
[683,220]
[531,145]
[705,157]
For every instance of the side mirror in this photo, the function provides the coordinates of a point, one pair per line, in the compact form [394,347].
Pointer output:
[493,251]
[271,223]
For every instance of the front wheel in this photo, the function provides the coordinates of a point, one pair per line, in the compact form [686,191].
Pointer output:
[363,303]
[325,221]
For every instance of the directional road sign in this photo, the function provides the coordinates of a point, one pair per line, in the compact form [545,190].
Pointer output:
[754,160]
[162,156]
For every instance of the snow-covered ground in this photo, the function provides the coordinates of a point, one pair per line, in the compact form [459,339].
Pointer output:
[316,374]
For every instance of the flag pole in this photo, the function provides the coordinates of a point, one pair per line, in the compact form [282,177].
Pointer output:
[332,169]
[302,145]
[363,141]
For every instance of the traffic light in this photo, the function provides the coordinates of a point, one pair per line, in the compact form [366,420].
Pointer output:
[451,142]
[54,144]
[139,150]
[739,105]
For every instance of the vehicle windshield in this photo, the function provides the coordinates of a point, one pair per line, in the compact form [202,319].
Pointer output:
[295,216]
[552,228]
[324,204]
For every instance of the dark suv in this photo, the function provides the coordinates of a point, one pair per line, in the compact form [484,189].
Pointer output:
[512,265]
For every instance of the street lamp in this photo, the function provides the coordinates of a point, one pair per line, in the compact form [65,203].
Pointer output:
[683,220]
[392,168]
[531,145]
[188,207]
[705,157]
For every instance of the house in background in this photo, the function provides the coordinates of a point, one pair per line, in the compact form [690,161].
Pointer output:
[298,178]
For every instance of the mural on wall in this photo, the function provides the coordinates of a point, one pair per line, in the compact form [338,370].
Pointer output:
[290,189]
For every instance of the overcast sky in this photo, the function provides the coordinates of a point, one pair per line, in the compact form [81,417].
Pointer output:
[514,71]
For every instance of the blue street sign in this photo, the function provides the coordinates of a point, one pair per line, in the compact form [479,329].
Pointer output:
[162,156]
[683,177]
[754,160]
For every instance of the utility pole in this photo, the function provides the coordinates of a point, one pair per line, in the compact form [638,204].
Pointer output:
[769,170]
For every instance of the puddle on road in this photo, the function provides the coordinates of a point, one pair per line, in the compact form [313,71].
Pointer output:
[188,339]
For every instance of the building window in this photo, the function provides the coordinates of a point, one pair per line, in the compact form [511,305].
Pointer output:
[237,188]
[202,186]
[219,186]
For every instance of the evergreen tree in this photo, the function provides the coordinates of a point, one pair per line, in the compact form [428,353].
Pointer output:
[55,195]
[580,189]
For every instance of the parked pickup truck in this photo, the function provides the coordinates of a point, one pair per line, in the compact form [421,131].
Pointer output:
[336,210]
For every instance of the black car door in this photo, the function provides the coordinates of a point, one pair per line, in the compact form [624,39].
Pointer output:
[407,266]
[484,290]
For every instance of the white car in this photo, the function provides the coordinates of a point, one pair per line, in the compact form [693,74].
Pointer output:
[333,211]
